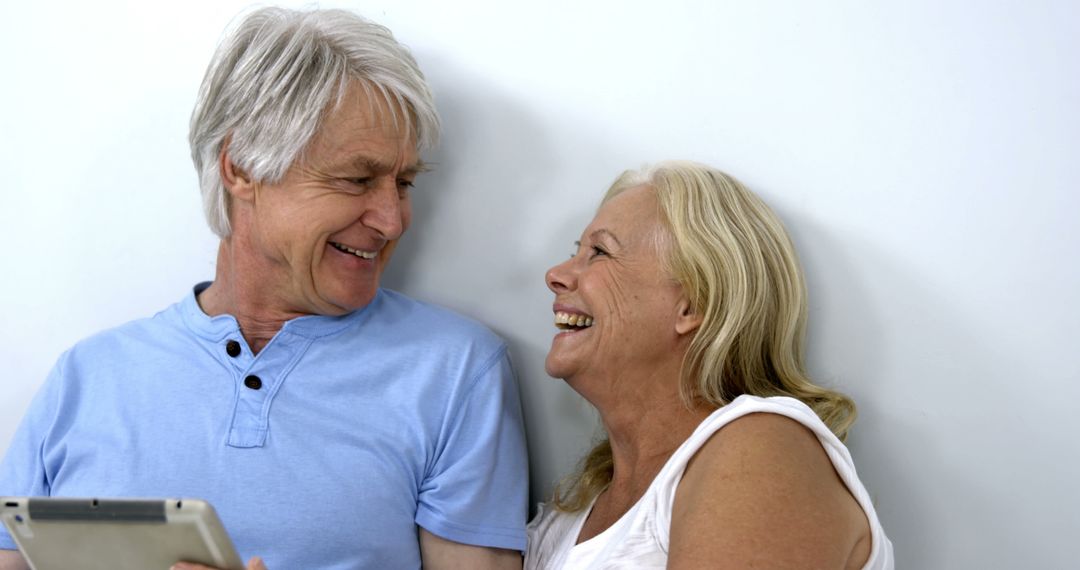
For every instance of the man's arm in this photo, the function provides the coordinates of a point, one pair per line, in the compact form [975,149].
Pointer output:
[475,492]
[435,552]
[440,554]
[255,563]
[12,560]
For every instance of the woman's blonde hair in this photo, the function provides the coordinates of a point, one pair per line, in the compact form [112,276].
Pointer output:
[737,265]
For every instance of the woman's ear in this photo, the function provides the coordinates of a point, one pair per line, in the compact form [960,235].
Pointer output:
[237,182]
[688,319]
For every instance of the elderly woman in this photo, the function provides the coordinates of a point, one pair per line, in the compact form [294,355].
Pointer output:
[682,316]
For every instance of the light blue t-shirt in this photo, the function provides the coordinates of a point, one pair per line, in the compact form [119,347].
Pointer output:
[323,451]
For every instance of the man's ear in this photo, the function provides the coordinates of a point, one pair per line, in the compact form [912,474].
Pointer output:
[237,182]
[688,319]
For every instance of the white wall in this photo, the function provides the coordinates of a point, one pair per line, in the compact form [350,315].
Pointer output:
[922,153]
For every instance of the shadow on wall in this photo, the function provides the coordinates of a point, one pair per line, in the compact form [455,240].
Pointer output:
[846,346]
[935,463]
[470,248]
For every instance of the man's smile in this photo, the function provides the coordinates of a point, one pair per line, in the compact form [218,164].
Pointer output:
[346,249]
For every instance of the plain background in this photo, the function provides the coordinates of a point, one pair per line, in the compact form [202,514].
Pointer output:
[923,155]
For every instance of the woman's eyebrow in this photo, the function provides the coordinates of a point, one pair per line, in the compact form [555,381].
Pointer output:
[597,233]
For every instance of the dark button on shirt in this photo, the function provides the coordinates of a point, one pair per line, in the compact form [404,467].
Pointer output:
[253,382]
[232,348]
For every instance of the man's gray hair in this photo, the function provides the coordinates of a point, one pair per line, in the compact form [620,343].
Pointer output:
[274,77]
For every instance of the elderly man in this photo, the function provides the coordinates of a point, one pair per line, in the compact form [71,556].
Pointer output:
[333,424]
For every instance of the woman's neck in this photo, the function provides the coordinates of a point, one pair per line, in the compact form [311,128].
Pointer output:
[644,433]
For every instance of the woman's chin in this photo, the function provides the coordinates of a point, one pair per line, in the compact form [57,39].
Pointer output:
[555,367]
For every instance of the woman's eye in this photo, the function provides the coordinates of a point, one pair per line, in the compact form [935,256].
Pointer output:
[593,251]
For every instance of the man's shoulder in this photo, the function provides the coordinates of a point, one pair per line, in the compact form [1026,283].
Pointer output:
[433,321]
[161,328]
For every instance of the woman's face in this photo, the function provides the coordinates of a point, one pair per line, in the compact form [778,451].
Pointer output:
[615,305]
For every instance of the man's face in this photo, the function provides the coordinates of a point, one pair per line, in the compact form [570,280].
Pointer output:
[317,241]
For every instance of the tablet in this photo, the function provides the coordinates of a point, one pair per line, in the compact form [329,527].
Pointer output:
[117,534]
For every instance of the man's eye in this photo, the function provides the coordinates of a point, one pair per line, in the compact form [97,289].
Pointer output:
[362,181]
[597,251]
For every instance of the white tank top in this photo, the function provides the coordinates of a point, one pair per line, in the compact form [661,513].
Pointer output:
[639,539]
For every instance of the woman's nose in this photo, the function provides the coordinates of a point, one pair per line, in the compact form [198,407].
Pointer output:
[561,278]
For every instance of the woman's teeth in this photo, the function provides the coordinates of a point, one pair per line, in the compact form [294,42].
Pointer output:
[356,252]
[572,320]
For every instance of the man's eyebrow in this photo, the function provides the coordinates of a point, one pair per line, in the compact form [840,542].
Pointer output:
[597,233]
[374,165]
[419,167]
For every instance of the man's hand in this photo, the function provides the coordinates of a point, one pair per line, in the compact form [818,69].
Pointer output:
[441,554]
[13,560]
[255,563]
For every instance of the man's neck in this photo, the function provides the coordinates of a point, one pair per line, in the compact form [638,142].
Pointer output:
[256,309]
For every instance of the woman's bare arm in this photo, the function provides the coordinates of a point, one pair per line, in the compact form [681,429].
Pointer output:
[762,493]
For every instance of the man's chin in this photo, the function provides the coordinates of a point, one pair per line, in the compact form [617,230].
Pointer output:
[348,303]
[334,297]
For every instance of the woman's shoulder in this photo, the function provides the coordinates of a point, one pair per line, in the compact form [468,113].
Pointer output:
[779,405]
[764,442]
[771,410]
[762,473]
[762,439]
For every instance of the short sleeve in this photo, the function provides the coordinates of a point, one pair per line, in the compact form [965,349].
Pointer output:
[23,471]
[476,491]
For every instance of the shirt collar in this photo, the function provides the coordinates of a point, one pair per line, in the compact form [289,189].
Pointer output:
[309,326]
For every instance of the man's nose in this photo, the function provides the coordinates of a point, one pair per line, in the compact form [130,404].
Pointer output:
[384,212]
